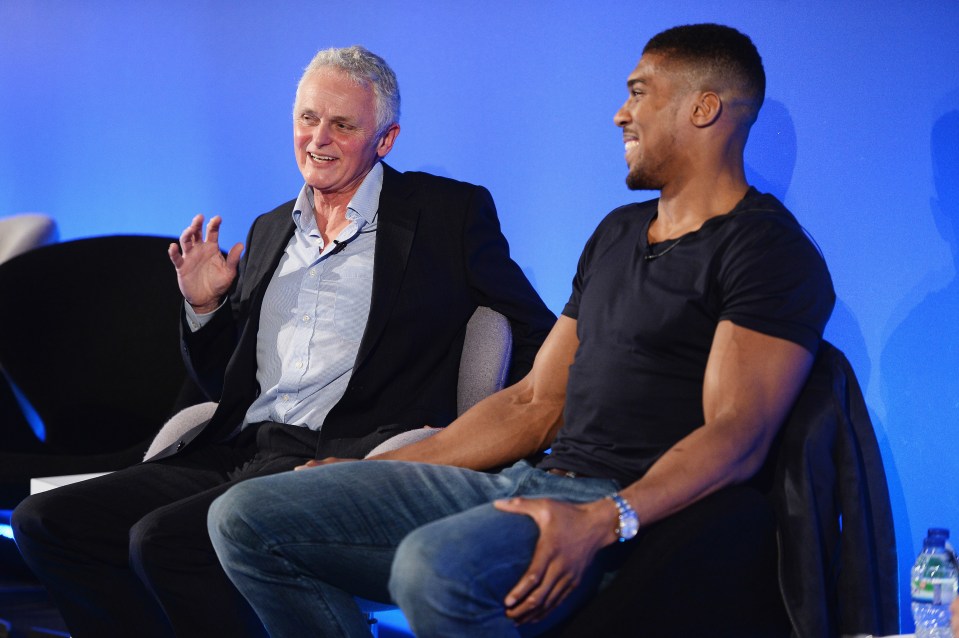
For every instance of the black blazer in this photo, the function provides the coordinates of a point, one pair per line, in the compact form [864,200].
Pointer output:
[439,255]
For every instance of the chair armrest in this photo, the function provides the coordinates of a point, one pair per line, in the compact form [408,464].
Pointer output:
[179,424]
[402,439]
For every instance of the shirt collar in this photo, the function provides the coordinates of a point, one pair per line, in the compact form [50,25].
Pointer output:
[364,204]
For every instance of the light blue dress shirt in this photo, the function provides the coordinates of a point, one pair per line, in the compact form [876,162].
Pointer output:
[314,312]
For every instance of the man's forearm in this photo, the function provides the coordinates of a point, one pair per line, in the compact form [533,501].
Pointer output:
[511,424]
[703,462]
[502,428]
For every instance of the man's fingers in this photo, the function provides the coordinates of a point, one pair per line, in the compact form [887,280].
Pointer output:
[517,505]
[540,601]
[521,590]
[213,229]
[191,234]
[327,461]
[174,252]
[233,257]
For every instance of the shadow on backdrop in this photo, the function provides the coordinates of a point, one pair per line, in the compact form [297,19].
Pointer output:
[920,369]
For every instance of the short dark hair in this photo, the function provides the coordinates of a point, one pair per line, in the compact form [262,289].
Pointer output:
[720,51]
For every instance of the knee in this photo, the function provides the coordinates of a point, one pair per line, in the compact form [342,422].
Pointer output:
[428,573]
[35,519]
[228,521]
[413,566]
[149,545]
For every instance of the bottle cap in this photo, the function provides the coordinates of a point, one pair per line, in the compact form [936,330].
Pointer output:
[936,537]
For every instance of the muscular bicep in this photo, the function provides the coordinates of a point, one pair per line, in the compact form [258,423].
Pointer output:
[550,373]
[751,382]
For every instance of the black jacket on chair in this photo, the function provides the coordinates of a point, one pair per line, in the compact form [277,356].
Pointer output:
[837,558]
[439,255]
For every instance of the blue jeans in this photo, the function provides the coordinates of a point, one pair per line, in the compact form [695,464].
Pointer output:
[300,545]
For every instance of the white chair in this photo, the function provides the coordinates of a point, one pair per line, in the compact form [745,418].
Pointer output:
[20,233]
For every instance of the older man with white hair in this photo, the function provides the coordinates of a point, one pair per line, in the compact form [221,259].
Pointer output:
[341,326]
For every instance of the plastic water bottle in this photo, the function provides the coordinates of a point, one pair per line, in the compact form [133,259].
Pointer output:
[934,585]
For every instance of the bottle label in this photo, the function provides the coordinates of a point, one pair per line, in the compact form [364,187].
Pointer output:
[938,591]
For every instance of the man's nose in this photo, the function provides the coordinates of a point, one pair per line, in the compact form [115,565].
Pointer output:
[621,118]
[321,134]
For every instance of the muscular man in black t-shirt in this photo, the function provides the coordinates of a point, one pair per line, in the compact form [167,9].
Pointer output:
[646,316]
[691,329]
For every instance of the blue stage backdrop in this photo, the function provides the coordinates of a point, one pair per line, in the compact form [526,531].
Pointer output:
[131,117]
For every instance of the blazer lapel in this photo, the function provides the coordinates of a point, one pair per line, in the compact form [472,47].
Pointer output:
[271,242]
[396,227]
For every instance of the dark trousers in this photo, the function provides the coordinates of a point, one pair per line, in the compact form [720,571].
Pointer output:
[128,554]
[709,570]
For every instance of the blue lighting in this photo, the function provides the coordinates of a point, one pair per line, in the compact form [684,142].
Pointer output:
[36,423]
[5,529]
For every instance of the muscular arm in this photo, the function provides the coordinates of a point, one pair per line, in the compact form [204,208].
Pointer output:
[751,382]
[511,424]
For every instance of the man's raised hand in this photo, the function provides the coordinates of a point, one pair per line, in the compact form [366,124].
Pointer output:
[203,274]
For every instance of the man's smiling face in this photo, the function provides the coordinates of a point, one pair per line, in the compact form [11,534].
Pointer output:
[335,134]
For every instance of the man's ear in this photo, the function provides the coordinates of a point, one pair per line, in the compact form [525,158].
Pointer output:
[385,145]
[706,109]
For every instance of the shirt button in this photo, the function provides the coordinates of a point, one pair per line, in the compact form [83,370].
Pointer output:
[299,365]
[313,273]
[285,397]
[306,318]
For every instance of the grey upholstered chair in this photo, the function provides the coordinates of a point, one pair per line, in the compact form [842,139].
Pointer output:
[484,368]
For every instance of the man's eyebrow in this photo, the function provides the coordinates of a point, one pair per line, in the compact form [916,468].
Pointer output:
[631,82]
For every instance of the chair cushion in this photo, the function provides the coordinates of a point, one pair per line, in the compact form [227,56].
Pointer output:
[181,423]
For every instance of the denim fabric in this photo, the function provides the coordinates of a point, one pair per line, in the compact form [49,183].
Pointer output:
[300,545]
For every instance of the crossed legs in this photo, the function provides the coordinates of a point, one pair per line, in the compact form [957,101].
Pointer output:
[300,545]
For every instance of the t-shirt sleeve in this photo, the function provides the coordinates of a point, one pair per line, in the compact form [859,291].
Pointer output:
[571,309]
[776,282]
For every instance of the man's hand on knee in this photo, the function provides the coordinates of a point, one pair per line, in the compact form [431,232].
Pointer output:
[569,536]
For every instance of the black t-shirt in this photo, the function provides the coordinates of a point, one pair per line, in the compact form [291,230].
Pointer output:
[646,316]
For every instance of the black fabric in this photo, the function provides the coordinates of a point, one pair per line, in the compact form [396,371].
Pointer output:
[708,571]
[151,517]
[838,561]
[646,326]
[88,333]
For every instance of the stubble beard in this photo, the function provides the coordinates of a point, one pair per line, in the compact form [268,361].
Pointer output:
[642,180]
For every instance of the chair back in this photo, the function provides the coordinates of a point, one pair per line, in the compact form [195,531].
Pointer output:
[89,333]
[484,366]
[20,233]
